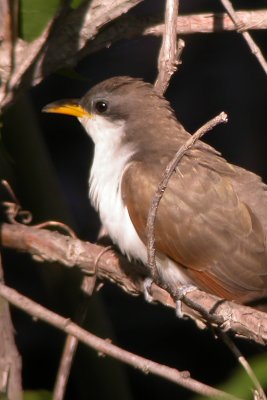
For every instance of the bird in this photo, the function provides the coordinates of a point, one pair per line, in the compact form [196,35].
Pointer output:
[211,224]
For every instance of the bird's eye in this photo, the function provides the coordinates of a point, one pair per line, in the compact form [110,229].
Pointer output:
[101,106]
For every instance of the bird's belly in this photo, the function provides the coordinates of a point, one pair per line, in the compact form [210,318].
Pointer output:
[122,232]
[170,272]
[124,235]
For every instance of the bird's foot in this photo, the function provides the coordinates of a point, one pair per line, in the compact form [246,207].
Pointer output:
[207,315]
[180,294]
[147,289]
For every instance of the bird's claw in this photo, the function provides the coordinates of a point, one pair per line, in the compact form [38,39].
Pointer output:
[147,290]
[181,292]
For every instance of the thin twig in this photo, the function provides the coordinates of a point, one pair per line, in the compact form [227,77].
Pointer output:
[105,347]
[64,368]
[71,342]
[17,215]
[244,363]
[246,35]
[152,214]
[70,348]
[167,62]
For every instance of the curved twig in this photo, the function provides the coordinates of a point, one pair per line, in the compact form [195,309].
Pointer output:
[152,214]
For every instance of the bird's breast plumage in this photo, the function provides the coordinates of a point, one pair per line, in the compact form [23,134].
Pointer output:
[109,164]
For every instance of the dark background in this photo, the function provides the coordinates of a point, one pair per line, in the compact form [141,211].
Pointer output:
[218,73]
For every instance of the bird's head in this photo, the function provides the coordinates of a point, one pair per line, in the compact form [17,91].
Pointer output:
[120,109]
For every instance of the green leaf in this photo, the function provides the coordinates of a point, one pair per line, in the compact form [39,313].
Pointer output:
[76,3]
[34,15]
[37,395]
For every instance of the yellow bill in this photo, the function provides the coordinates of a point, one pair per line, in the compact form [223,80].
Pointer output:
[68,107]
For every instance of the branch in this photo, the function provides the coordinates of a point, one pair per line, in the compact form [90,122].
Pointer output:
[25,60]
[8,37]
[105,347]
[91,34]
[243,30]
[167,62]
[213,22]
[10,361]
[44,245]
[127,27]
[71,344]
[63,44]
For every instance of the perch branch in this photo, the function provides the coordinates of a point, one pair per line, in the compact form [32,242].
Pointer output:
[44,245]
[71,344]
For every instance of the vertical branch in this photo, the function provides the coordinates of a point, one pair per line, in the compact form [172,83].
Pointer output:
[167,62]
[10,361]
[71,342]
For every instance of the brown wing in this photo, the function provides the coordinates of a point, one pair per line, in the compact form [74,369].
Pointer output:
[203,224]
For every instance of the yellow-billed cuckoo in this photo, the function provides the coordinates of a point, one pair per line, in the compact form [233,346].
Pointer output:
[212,220]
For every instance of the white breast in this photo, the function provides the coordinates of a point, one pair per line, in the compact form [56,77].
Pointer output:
[110,161]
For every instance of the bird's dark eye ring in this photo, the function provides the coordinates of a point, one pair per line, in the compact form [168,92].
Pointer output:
[101,106]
